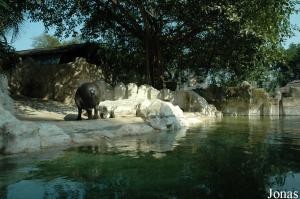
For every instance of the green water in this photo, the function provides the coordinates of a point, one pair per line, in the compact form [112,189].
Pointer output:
[232,158]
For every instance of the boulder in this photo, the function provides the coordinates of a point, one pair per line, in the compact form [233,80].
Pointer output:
[52,81]
[190,101]
[5,100]
[162,115]
[291,106]
[166,95]
[245,100]
[153,93]
[106,90]
[144,92]
[19,137]
[292,89]
[120,91]
[131,91]
[290,98]
[119,108]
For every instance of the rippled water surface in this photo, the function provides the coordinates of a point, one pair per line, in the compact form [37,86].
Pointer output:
[233,158]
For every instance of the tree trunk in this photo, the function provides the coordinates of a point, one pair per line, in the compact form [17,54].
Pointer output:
[154,67]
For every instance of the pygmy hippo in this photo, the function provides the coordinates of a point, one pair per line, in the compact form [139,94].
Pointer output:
[87,97]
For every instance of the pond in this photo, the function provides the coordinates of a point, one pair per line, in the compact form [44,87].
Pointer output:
[231,158]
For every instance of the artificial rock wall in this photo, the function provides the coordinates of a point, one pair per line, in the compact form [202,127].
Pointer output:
[54,81]
[245,100]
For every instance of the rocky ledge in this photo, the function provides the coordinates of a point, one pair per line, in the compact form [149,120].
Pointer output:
[34,125]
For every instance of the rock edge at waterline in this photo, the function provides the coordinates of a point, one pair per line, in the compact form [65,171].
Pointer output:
[17,136]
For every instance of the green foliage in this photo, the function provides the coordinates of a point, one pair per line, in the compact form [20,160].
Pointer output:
[238,38]
[8,57]
[11,17]
[49,41]
[289,70]
[223,39]
[45,41]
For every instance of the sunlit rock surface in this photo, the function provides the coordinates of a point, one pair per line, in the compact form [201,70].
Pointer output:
[47,128]
[19,136]
[291,98]
[120,108]
[243,100]
[144,92]
[131,91]
[120,91]
[162,115]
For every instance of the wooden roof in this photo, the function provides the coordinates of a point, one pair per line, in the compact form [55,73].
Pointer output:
[55,50]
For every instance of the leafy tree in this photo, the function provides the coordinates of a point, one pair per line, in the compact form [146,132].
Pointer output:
[74,40]
[45,41]
[293,61]
[289,69]
[241,38]
[11,18]
[49,41]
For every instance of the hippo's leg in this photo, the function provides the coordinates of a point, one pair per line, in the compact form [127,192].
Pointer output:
[90,115]
[96,113]
[79,113]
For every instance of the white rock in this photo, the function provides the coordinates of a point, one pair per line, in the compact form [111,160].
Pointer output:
[6,116]
[191,102]
[120,108]
[133,129]
[20,137]
[154,93]
[131,91]
[144,92]
[51,135]
[166,95]
[142,109]
[119,91]
[163,115]
[104,112]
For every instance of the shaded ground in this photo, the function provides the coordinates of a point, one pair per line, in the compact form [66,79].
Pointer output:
[64,117]
[43,110]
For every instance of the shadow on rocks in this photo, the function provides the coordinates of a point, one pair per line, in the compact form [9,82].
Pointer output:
[70,117]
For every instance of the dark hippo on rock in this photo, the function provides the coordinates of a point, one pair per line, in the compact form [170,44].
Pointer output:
[88,97]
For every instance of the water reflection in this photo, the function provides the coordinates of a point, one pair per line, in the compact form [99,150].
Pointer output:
[234,158]
[57,188]
[157,143]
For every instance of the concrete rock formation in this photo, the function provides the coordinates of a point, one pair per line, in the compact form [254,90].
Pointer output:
[131,91]
[162,115]
[52,81]
[25,136]
[245,100]
[120,91]
[18,136]
[291,98]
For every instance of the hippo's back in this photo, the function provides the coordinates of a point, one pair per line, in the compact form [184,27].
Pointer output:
[87,95]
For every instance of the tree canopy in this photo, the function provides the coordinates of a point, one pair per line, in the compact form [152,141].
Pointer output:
[235,40]
[289,69]
[239,38]
[11,18]
[48,41]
